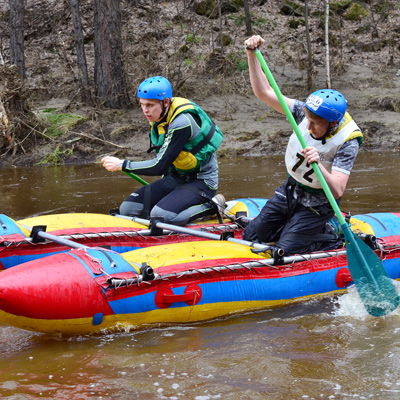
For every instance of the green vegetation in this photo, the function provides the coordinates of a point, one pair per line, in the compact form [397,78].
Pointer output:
[59,124]
[240,20]
[339,6]
[56,156]
[238,61]
[191,38]
[356,12]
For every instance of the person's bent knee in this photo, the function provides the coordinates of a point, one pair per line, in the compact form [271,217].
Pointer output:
[131,209]
[169,217]
[255,231]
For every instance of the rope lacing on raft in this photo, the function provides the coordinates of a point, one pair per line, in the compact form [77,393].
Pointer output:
[143,234]
[244,267]
[248,266]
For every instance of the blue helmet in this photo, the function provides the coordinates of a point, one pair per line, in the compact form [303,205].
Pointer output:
[156,88]
[328,104]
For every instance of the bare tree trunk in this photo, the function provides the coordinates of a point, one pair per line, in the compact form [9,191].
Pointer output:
[249,30]
[309,51]
[3,118]
[109,74]
[17,47]
[3,114]
[80,52]
[221,35]
[328,73]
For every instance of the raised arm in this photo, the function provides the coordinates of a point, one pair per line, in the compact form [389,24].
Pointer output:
[259,82]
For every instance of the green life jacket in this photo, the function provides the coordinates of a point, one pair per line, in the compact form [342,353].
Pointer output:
[199,147]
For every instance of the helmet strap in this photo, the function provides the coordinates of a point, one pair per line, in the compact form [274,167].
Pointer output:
[164,109]
[326,133]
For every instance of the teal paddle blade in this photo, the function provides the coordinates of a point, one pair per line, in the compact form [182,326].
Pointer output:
[373,284]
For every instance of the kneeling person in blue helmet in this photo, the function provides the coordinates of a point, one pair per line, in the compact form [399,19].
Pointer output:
[297,215]
[185,140]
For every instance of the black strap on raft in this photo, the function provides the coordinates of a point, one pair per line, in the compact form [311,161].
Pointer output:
[154,230]
[213,204]
[146,202]
[225,235]
[34,233]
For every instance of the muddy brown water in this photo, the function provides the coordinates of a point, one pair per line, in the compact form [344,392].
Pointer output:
[325,348]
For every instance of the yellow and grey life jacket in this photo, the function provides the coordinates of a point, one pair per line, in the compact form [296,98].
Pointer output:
[295,162]
[199,147]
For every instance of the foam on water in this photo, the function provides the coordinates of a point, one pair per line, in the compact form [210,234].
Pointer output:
[351,305]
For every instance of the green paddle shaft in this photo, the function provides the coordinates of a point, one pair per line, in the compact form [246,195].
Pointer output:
[302,141]
[136,178]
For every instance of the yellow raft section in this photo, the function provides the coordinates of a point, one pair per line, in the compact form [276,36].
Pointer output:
[360,226]
[157,257]
[56,222]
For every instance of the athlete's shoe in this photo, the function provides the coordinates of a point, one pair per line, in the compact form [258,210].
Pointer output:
[219,201]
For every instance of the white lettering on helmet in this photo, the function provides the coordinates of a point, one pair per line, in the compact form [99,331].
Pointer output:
[314,102]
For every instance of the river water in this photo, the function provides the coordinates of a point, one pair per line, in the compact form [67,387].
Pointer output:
[321,349]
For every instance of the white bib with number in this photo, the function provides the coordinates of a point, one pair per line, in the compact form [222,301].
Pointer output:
[295,162]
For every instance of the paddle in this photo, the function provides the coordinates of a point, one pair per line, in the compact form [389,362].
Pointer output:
[133,176]
[373,284]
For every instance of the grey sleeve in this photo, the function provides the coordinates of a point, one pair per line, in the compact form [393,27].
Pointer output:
[345,157]
[297,111]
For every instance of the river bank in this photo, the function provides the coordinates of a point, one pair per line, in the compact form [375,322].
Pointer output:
[364,67]
[250,128]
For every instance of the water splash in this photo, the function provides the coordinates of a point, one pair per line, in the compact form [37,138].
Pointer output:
[351,305]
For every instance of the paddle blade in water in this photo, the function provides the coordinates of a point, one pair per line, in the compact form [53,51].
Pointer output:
[373,284]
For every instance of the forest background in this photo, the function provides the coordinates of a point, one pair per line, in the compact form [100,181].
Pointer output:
[70,69]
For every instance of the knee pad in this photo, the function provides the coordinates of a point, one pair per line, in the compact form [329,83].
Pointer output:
[131,209]
[169,217]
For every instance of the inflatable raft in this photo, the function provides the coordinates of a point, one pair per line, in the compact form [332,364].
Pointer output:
[95,290]
[98,230]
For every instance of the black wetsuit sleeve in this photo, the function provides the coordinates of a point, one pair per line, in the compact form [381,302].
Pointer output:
[174,143]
